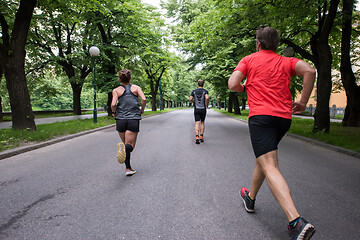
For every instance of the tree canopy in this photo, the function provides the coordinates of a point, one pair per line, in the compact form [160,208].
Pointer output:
[210,38]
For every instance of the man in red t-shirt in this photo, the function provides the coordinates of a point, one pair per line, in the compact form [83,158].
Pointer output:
[270,105]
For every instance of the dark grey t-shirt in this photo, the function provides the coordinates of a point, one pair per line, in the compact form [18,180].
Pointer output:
[128,105]
[199,98]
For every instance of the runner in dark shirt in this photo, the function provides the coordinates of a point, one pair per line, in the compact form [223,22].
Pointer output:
[200,98]
[125,109]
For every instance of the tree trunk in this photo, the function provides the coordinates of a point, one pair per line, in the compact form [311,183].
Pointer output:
[1,115]
[324,85]
[236,105]
[323,64]
[76,89]
[13,61]
[352,110]
[162,103]
[108,107]
[231,100]
[243,103]
[153,101]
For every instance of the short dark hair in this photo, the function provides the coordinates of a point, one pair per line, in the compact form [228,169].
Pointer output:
[201,83]
[124,75]
[268,38]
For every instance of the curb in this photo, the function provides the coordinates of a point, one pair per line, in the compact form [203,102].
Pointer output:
[312,141]
[15,151]
[325,145]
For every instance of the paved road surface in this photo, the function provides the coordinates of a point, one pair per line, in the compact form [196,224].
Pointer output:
[76,190]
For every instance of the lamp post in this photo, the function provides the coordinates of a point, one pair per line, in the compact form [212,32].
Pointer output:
[94,52]
[160,96]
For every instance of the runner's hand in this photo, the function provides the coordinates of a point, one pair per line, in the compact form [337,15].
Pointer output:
[298,107]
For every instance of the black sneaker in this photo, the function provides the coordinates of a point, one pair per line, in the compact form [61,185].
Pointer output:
[201,138]
[197,140]
[249,204]
[303,230]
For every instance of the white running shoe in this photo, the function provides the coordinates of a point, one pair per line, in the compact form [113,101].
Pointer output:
[130,173]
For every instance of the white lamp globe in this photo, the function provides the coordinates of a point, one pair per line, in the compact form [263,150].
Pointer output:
[94,51]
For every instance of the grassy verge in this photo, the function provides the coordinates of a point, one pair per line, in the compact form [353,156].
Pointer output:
[346,137]
[10,138]
[50,115]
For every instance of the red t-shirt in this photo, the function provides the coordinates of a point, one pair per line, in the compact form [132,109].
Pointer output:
[268,83]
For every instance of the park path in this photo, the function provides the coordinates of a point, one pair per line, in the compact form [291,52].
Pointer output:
[39,121]
[76,189]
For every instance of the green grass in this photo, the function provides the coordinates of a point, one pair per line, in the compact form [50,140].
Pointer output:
[50,115]
[10,138]
[345,137]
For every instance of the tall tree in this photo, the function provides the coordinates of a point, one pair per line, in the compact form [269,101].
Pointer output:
[117,38]
[64,39]
[352,111]
[154,72]
[1,115]
[14,33]
[321,49]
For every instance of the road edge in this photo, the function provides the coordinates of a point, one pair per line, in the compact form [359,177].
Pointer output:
[312,141]
[16,151]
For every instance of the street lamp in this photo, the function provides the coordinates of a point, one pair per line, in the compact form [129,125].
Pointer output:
[94,52]
[160,96]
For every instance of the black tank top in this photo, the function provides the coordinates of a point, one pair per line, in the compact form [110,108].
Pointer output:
[128,105]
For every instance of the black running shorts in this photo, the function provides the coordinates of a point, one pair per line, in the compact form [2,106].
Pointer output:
[266,132]
[200,115]
[131,125]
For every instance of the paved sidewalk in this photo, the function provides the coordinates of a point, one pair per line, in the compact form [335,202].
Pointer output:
[309,117]
[54,119]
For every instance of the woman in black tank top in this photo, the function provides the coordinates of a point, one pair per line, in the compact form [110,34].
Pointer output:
[125,108]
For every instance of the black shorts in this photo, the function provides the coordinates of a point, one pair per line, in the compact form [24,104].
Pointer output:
[266,132]
[123,125]
[200,115]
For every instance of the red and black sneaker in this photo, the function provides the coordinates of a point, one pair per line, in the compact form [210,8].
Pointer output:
[248,203]
[201,138]
[302,230]
[197,139]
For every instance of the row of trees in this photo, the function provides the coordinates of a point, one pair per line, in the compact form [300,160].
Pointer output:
[41,36]
[217,34]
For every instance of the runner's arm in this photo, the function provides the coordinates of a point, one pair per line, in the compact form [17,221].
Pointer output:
[114,101]
[234,82]
[191,99]
[207,99]
[143,99]
[306,71]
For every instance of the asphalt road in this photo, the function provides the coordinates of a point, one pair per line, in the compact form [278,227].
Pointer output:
[77,190]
